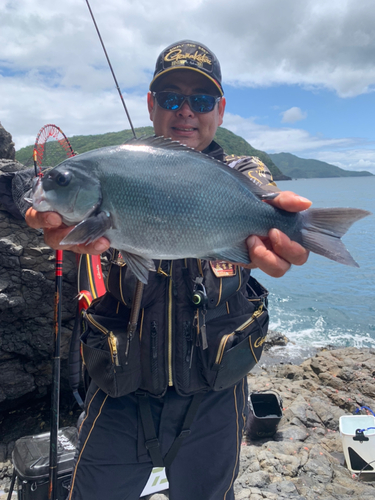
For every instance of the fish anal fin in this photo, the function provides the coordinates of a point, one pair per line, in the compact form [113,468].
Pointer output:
[139,265]
[237,254]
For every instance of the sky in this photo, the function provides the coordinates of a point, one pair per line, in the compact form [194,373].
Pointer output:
[298,76]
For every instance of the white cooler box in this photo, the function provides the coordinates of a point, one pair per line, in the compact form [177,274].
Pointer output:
[359,448]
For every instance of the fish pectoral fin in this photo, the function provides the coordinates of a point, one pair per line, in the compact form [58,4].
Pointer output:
[88,230]
[269,196]
[139,265]
[237,254]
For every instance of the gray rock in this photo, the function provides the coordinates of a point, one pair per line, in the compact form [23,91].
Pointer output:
[27,285]
[7,149]
[291,432]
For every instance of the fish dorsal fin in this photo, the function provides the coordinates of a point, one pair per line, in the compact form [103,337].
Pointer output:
[159,141]
[167,143]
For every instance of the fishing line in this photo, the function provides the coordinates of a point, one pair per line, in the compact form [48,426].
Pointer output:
[139,286]
[113,73]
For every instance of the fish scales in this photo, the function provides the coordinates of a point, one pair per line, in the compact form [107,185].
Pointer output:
[156,199]
[171,205]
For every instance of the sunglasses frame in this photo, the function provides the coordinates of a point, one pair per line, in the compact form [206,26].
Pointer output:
[185,98]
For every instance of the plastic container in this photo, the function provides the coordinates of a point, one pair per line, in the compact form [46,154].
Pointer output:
[31,464]
[264,415]
[358,447]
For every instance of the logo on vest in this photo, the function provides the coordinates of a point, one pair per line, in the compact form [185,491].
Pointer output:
[259,342]
[222,269]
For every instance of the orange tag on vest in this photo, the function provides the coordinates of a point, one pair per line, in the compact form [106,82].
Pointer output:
[222,269]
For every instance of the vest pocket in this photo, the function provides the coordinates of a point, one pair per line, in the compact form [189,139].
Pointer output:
[111,357]
[231,356]
[240,350]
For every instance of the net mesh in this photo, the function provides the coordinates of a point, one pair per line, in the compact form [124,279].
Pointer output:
[51,148]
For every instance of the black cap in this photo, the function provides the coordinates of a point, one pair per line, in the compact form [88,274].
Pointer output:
[189,55]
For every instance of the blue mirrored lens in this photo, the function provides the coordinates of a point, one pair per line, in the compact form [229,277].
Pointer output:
[200,103]
[170,100]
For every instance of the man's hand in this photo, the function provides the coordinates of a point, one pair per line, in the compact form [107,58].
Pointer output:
[275,254]
[55,231]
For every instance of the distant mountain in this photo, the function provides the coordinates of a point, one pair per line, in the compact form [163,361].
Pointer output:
[232,144]
[300,168]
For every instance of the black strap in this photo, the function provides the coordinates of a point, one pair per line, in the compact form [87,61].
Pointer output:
[185,431]
[74,359]
[151,440]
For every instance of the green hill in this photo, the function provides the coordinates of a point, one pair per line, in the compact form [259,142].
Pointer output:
[232,144]
[300,168]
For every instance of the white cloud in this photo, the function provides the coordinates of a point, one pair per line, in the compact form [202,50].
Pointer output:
[343,152]
[52,67]
[293,115]
[75,111]
[282,139]
[352,159]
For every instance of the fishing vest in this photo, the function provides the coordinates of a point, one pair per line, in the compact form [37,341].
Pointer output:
[201,327]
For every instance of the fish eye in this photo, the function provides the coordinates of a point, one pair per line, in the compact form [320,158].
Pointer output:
[63,178]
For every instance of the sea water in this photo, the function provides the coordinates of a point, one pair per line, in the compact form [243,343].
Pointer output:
[322,302]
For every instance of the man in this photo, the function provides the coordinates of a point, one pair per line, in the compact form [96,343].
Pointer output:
[117,447]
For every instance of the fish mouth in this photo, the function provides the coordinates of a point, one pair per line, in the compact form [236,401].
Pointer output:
[40,204]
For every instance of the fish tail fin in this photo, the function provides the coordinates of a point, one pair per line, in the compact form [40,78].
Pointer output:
[323,228]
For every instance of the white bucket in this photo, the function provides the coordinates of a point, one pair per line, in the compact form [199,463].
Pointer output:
[359,455]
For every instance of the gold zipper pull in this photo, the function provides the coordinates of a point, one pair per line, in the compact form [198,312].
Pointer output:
[113,342]
[258,312]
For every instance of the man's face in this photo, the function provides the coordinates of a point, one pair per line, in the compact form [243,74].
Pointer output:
[196,130]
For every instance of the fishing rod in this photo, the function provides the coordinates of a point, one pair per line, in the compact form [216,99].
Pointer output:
[44,134]
[110,67]
[55,395]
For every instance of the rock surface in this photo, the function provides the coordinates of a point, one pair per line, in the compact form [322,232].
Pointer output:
[304,459]
[7,149]
[27,284]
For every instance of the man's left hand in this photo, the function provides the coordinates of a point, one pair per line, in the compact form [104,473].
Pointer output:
[275,253]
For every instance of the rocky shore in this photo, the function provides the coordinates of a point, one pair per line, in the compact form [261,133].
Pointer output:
[304,460]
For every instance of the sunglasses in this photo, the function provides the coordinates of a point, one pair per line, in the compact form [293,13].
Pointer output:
[172,101]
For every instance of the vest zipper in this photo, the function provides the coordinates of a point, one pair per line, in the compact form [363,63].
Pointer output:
[188,338]
[154,355]
[188,350]
[111,339]
[170,324]
[225,338]
[113,348]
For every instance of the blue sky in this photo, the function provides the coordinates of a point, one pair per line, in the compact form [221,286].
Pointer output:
[299,76]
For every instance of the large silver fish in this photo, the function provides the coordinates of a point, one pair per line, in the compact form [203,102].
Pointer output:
[156,199]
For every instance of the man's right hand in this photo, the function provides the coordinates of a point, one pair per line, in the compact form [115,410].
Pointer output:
[55,231]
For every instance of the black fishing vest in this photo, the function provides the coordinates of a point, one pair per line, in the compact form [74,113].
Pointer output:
[178,342]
